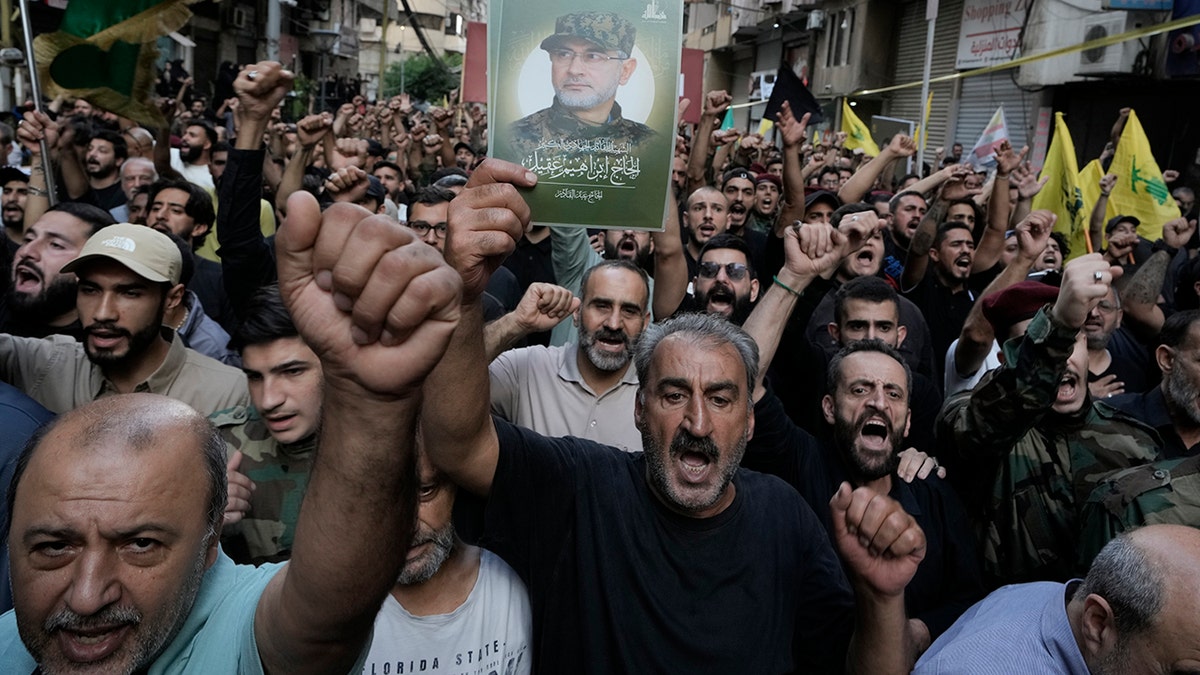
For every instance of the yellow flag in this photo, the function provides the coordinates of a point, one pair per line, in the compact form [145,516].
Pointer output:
[764,127]
[1089,189]
[1061,194]
[1140,190]
[924,121]
[857,133]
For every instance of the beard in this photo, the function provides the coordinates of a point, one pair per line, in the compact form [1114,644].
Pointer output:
[140,649]
[586,99]
[739,304]
[54,300]
[683,442]
[137,342]
[603,360]
[1182,395]
[641,256]
[190,154]
[17,222]
[866,466]
[422,569]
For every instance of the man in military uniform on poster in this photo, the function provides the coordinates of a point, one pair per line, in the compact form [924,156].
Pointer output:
[591,55]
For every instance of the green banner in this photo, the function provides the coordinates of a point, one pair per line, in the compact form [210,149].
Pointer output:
[586,99]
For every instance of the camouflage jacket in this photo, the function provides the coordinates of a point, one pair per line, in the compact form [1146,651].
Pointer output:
[280,474]
[555,128]
[1166,491]
[1022,469]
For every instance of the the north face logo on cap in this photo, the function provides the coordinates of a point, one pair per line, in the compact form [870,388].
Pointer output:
[123,243]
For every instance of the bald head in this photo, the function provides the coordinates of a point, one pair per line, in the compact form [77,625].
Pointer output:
[115,427]
[1138,610]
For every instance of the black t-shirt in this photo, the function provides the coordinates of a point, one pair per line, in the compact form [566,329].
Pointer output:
[947,581]
[945,310]
[620,584]
[107,198]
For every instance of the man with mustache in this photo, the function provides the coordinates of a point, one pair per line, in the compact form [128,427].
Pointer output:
[581,388]
[117,509]
[14,184]
[591,56]
[725,283]
[947,292]
[636,246]
[128,277]
[739,189]
[451,598]
[1026,446]
[40,300]
[630,557]
[106,153]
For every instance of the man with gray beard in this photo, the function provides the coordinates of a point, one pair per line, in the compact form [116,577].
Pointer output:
[579,389]
[1172,408]
[591,55]
[453,604]
[1111,372]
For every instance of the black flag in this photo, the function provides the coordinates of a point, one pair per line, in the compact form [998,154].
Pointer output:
[789,88]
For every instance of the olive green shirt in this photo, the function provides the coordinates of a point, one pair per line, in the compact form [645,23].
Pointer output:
[57,373]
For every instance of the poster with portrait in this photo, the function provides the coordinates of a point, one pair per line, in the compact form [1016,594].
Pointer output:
[586,98]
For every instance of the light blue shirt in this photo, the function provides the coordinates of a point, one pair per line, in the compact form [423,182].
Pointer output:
[1021,628]
[217,637]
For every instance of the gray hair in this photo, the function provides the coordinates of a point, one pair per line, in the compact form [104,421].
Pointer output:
[1129,582]
[703,329]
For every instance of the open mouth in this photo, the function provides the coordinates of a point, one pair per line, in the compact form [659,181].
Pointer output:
[26,278]
[627,246]
[963,263]
[737,207]
[1068,387]
[866,257]
[694,466]
[721,298]
[874,433]
[92,644]
[279,421]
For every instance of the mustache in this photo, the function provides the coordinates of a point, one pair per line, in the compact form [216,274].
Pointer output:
[108,618]
[610,334]
[107,327]
[685,442]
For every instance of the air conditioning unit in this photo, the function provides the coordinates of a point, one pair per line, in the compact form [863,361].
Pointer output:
[816,20]
[1116,58]
[238,18]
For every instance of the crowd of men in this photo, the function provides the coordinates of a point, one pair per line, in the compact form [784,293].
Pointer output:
[315,397]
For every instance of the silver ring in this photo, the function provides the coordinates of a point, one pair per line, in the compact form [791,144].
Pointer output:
[252,75]
[853,218]
[1098,276]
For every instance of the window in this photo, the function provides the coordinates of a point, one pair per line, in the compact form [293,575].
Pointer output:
[838,37]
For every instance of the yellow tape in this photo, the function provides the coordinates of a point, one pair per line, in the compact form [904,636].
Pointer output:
[1147,31]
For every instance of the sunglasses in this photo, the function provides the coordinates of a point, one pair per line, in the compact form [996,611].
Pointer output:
[733,270]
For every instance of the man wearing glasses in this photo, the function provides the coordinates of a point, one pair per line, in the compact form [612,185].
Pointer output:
[590,57]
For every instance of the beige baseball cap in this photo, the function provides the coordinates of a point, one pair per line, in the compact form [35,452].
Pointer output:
[147,252]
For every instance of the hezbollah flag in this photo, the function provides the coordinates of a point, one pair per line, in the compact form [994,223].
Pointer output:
[1061,194]
[104,52]
[1089,187]
[919,136]
[857,133]
[1140,190]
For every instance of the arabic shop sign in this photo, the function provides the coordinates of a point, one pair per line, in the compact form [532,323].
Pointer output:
[990,32]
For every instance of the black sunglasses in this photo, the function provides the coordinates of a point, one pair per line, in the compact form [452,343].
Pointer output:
[735,271]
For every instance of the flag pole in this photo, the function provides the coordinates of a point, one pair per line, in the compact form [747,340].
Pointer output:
[35,88]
